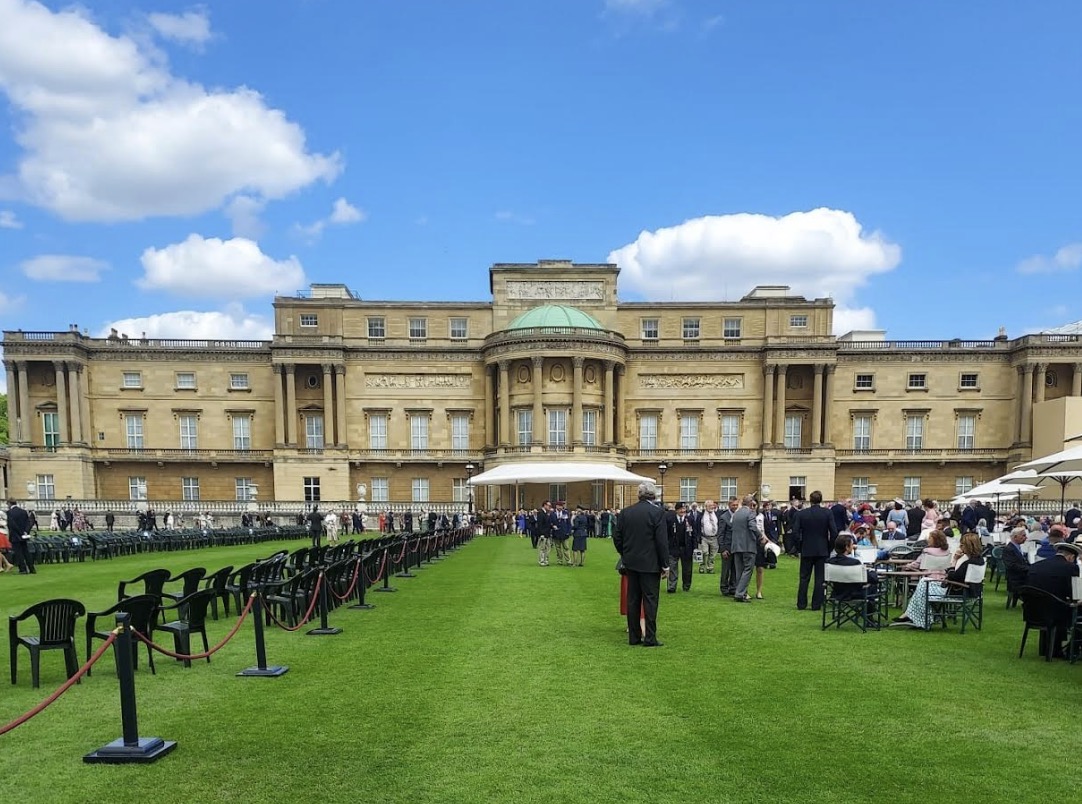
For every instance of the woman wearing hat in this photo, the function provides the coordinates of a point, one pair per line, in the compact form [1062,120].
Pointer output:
[579,529]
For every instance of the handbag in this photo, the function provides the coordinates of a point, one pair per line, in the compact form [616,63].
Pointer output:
[620,566]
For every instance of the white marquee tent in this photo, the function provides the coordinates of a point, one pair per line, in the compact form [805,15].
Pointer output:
[554,472]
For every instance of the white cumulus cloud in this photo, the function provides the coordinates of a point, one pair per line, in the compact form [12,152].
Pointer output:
[8,220]
[823,252]
[847,319]
[210,267]
[343,213]
[64,268]
[1068,258]
[189,28]
[232,323]
[108,133]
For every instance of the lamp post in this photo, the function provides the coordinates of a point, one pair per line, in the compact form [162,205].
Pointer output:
[469,489]
[662,468]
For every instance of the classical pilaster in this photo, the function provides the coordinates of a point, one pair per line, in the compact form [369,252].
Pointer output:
[768,404]
[23,374]
[291,404]
[14,418]
[1025,436]
[82,377]
[1076,380]
[279,407]
[828,404]
[1016,408]
[328,405]
[610,418]
[1042,369]
[505,403]
[817,406]
[62,400]
[575,425]
[340,403]
[779,407]
[619,436]
[77,434]
[539,425]
[490,404]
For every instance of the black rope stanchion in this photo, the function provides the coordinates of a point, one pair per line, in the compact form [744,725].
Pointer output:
[405,571]
[362,584]
[324,629]
[386,574]
[130,747]
[261,668]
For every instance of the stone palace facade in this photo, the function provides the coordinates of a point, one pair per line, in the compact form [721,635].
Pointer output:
[408,399]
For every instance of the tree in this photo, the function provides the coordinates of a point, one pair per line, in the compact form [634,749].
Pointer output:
[3,418]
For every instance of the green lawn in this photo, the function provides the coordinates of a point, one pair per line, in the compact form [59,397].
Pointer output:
[488,678]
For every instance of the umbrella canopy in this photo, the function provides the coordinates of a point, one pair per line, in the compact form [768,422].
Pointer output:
[997,488]
[555,473]
[1068,460]
[1023,477]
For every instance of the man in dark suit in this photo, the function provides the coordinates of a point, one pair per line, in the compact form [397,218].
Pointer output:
[915,516]
[1054,575]
[546,525]
[1015,564]
[843,557]
[640,539]
[18,534]
[816,531]
[315,525]
[840,512]
[681,547]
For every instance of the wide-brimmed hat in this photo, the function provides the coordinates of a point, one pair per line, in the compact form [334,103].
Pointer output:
[1067,547]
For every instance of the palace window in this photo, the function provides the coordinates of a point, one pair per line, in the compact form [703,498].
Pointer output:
[914,432]
[730,431]
[50,424]
[860,488]
[137,488]
[963,484]
[46,487]
[381,489]
[689,489]
[418,431]
[731,328]
[969,380]
[917,382]
[689,431]
[185,380]
[911,489]
[691,329]
[133,379]
[524,421]
[377,431]
[377,328]
[309,320]
[313,431]
[589,427]
[189,489]
[460,431]
[311,489]
[459,329]
[864,382]
[862,432]
[242,432]
[967,426]
[243,488]
[798,322]
[794,425]
[133,425]
[650,329]
[239,382]
[728,489]
[418,329]
[189,432]
[648,431]
[557,427]
[420,489]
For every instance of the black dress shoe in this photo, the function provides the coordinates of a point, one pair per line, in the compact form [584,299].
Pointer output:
[635,643]
[653,644]
[740,600]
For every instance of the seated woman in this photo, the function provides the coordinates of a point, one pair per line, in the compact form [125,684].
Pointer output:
[929,590]
[865,537]
[937,548]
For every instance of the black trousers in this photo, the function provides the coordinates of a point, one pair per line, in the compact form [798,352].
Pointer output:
[728,579]
[21,556]
[534,536]
[642,596]
[808,565]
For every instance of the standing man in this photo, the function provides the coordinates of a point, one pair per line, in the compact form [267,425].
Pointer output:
[681,546]
[546,524]
[18,534]
[315,525]
[561,533]
[728,582]
[709,526]
[816,532]
[640,539]
[741,541]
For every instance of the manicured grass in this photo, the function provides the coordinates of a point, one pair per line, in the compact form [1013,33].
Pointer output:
[488,678]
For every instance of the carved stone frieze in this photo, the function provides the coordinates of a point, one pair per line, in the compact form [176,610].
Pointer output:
[568,290]
[730,381]
[923,357]
[417,381]
[561,347]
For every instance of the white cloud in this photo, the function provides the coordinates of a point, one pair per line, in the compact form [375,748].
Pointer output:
[232,323]
[342,214]
[64,268]
[108,133]
[847,319]
[823,252]
[8,220]
[209,267]
[244,212]
[190,28]
[1068,258]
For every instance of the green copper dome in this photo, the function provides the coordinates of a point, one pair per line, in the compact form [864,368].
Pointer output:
[555,315]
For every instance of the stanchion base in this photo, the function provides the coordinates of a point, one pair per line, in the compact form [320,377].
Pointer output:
[324,631]
[406,574]
[384,589]
[273,670]
[362,606]
[148,749]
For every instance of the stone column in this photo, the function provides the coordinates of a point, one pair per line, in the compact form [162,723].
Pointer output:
[1027,405]
[77,435]
[490,404]
[575,425]
[1076,380]
[82,377]
[1042,369]
[828,404]
[817,407]
[291,404]
[1016,408]
[619,436]
[768,404]
[279,407]
[14,418]
[340,403]
[539,424]
[779,408]
[62,400]
[23,374]
[610,418]
[505,403]
[328,405]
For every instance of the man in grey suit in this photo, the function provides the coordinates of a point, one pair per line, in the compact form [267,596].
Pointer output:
[725,521]
[741,541]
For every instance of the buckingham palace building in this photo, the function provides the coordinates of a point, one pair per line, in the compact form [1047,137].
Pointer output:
[404,401]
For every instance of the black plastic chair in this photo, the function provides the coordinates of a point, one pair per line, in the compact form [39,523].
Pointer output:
[143,611]
[217,581]
[192,612]
[1044,612]
[238,585]
[153,582]
[190,579]
[56,631]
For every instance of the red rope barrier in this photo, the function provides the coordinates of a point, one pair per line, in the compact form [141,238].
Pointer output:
[416,546]
[62,688]
[379,575]
[402,555]
[352,584]
[205,654]
[307,615]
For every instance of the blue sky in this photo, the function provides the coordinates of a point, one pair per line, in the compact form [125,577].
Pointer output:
[167,167]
